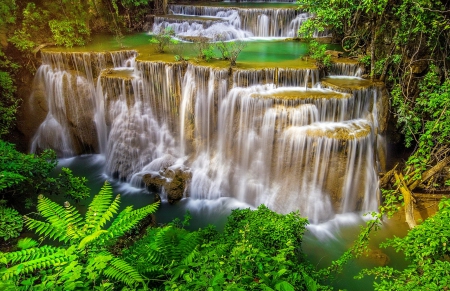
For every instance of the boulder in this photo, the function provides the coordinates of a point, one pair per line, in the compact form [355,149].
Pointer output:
[171,181]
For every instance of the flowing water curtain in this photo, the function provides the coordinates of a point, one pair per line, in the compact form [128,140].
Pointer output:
[234,22]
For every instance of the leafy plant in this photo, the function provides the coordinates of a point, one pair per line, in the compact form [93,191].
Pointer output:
[229,50]
[8,104]
[205,50]
[84,259]
[163,39]
[11,223]
[258,250]
[426,247]
[317,53]
[22,175]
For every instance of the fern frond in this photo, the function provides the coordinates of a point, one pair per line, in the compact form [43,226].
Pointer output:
[46,229]
[51,260]
[74,222]
[189,258]
[167,241]
[129,218]
[90,238]
[29,254]
[108,213]
[98,206]
[188,244]
[120,270]
[53,212]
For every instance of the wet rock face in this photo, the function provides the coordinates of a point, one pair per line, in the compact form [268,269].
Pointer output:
[173,182]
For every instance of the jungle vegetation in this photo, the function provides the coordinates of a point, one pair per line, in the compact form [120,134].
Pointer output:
[402,43]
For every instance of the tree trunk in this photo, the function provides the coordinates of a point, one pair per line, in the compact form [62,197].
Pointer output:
[408,199]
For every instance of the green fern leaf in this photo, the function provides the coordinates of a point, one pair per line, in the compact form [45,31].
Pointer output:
[53,212]
[120,270]
[90,238]
[30,254]
[129,218]
[26,243]
[55,257]
[187,244]
[45,228]
[74,222]
[108,213]
[98,206]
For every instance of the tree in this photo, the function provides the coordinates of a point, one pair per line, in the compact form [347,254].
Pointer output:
[84,259]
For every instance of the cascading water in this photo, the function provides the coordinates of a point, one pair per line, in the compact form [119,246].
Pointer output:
[279,136]
[232,22]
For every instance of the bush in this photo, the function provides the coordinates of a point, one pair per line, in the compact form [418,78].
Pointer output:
[163,39]
[317,53]
[11,223]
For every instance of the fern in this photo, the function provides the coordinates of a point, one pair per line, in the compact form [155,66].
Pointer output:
[98,206]
[29,254]
[73,265]
[51,257]
[187,246]
[120,270]
[129,218]
[74,222]
[53,212]
[46,229]
[90,238]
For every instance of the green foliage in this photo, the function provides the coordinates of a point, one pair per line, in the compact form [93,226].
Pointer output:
[33,28]
[8,104]
[426,247]
[317,53]
[204,49]
[64,23]
[230,50]
[163,39]
[84,261]
[7,12]
[425,121]
[69,33]
[11,223]
[258,250]
[73,187]
[26,175]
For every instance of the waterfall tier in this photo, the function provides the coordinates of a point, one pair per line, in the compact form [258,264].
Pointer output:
[231,22]
[277,133]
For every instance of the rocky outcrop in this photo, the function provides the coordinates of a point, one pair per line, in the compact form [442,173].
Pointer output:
[171,181]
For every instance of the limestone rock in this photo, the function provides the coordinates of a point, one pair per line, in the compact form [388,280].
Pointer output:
[171,181]
[336,54]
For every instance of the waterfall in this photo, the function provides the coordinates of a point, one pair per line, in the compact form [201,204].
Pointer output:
[283,136]
[232,22]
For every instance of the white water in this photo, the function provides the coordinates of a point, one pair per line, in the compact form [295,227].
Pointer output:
[232,22]
[271,135]
[307,153]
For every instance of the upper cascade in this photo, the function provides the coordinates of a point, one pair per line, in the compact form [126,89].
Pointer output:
[279,133]
[232,22]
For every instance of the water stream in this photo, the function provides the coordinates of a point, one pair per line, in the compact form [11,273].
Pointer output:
[271,130]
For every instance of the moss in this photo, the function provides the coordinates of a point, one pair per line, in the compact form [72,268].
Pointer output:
[301,94]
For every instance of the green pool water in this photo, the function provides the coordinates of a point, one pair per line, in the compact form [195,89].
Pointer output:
[258,53]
